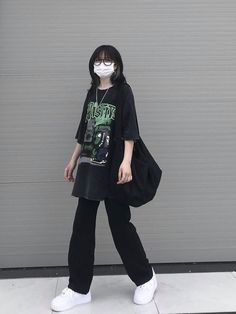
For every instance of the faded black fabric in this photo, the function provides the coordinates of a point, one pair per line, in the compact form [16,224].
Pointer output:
[95,133]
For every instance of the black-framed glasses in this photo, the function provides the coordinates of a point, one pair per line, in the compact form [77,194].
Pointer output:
[105,61]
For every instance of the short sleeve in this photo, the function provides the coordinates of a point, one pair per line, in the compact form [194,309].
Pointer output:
[130,130]
[79,133]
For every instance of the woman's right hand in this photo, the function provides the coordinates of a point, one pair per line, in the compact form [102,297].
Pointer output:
[68,172]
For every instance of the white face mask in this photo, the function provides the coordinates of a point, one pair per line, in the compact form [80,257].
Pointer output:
[103,70]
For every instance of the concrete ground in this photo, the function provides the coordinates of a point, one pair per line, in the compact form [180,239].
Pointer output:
[213,292]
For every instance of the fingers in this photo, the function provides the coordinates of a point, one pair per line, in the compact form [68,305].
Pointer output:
[68,174]
[125,180]
[124,177]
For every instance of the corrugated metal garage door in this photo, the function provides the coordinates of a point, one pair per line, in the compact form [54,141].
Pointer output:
[179,58]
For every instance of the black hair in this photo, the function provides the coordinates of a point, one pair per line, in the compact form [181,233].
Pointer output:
[110,52]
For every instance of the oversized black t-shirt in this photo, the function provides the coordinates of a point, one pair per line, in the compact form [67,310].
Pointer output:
[92,178]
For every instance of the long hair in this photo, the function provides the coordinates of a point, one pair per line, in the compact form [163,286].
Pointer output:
[112,53]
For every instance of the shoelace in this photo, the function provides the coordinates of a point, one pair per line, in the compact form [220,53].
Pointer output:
[145,286]
[67,291]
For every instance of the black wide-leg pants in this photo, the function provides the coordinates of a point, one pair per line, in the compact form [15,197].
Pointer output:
[125,237]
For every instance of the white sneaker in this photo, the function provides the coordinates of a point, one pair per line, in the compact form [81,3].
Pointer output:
[144,293]
[68,299]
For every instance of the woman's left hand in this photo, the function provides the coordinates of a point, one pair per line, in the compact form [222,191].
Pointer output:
[124,174]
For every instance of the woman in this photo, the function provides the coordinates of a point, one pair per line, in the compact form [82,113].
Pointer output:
[94,136]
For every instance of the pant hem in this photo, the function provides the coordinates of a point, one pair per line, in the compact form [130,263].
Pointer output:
[77,290]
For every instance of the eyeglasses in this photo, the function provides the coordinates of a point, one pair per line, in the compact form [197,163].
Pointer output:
[105,61]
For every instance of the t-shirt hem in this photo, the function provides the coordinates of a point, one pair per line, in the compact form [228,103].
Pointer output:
[87,197]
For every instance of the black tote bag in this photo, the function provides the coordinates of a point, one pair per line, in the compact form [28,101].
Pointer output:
[146,174]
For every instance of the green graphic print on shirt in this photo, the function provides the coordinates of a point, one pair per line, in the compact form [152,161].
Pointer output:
[99,118]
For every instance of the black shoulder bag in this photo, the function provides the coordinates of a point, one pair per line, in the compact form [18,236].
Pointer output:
[146,174]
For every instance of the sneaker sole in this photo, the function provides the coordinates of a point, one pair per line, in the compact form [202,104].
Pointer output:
[59,309]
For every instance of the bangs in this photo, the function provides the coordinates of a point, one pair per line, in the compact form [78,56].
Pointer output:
[106,53]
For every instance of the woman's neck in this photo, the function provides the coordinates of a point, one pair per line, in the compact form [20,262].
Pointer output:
[105,83]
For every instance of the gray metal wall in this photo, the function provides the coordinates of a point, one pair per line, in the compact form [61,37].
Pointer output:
[180,59]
